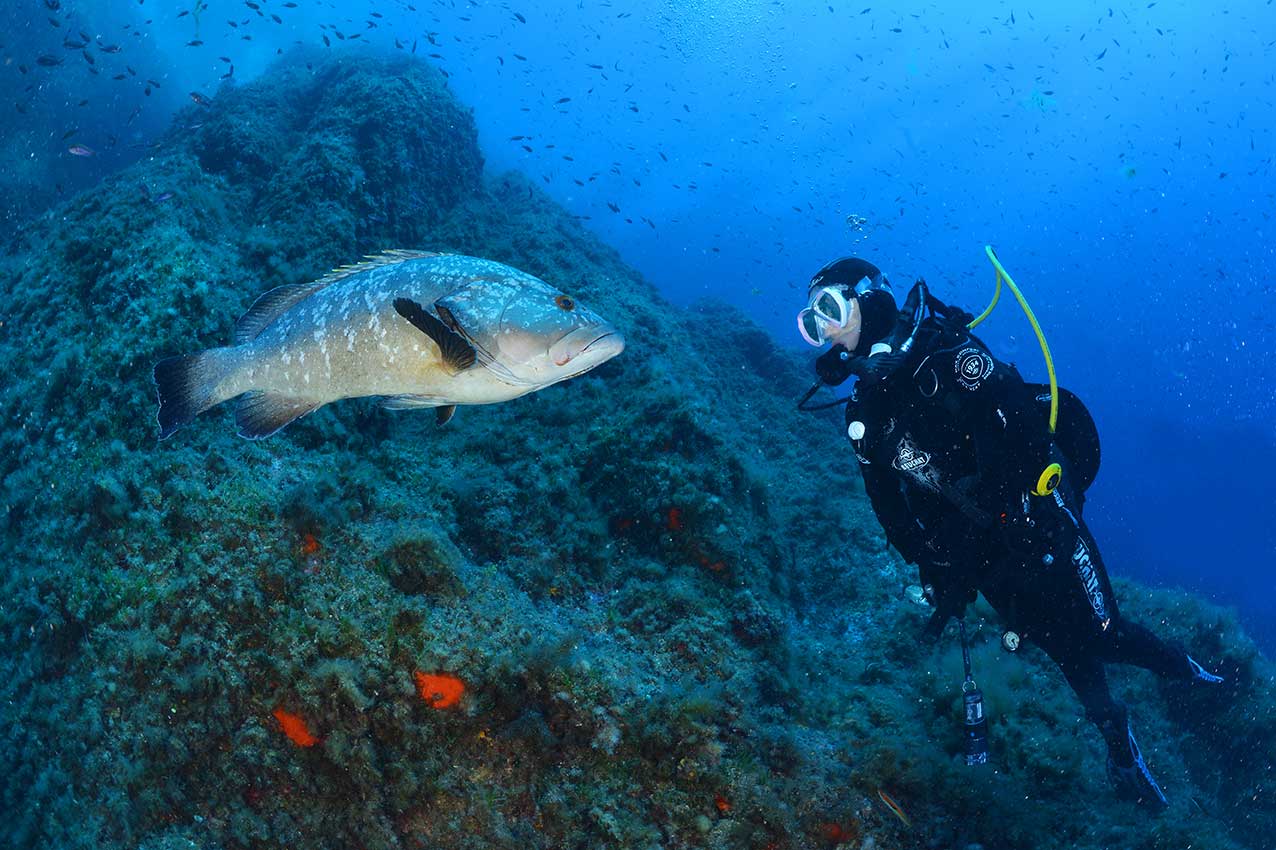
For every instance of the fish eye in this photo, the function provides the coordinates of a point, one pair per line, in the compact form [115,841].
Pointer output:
[565,302]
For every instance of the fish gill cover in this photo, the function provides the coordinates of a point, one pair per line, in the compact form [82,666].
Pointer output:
[640,609]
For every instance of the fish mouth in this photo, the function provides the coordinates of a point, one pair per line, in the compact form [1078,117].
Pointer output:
[587,343]
[617,342]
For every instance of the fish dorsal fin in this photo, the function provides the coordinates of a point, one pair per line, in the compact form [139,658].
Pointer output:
[273,304]
[458,354]
[270,306]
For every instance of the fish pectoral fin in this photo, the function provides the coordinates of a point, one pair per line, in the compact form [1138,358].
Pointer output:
[407,401]
[457,353]
[443,411]
[260,414]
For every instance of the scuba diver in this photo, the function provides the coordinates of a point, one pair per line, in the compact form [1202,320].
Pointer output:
[973,482]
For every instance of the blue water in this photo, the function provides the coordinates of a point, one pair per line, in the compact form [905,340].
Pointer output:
[1119,157]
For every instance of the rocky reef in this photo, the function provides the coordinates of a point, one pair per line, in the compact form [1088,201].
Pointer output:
[648,608]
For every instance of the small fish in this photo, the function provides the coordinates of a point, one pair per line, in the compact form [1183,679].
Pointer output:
[420,329]
[199,99]
[894,807]
[81,150]
[520,18]
[48,61]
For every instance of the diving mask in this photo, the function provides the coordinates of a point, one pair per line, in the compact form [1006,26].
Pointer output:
[827,310]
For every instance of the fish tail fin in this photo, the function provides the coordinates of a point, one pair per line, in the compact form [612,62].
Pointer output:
[188,385]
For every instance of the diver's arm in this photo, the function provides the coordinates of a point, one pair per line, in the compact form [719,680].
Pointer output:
[902,530]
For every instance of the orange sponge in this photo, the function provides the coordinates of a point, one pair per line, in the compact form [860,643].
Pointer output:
[440,690]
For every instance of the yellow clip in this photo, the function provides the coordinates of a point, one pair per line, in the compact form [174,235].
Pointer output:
[1048,480]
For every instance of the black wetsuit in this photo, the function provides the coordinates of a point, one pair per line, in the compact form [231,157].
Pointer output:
[951,445]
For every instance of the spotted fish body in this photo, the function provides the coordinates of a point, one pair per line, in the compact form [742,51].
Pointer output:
[421,330]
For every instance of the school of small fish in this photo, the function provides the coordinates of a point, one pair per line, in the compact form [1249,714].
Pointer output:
[450,37]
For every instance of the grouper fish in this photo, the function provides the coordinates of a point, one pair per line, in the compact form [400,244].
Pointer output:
[419,329]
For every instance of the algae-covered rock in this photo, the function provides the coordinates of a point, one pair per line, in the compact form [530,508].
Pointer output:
[654,614]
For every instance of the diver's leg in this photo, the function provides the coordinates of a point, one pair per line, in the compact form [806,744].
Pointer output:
[1126,769]
[1077,615]
[1134,643]
[1123,641]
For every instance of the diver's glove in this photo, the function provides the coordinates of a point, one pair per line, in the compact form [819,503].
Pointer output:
[833,366]
[946,584]
[837,364]
[949,602]
[876,367]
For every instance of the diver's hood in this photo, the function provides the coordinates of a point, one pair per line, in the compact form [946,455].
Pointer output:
[867,284]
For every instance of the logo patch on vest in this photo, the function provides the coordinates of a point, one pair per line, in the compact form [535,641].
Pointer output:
[910,457]
[972,367]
